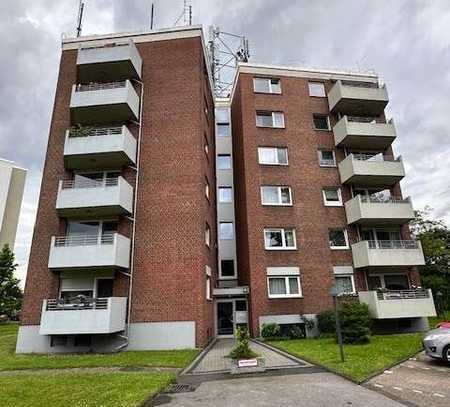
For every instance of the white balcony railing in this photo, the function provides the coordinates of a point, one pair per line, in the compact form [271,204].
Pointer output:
[99,86]
[90,316]
[95,131]
[83,239]
[89,183]
[403,294]
[393,244]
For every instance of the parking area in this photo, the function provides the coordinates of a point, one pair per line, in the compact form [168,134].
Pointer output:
[420,381]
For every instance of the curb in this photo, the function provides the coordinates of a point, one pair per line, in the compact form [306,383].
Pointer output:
[198,358]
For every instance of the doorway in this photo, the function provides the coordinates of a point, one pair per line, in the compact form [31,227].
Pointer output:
[230,313]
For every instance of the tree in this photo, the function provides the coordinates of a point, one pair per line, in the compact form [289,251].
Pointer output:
[435,238]
[10,292]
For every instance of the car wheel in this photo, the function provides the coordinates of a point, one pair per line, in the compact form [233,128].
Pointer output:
[446,354]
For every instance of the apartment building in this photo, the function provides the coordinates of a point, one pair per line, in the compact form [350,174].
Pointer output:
[12,184]
[124,248]
[167,217]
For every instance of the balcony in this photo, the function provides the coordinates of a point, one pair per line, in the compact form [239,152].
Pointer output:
[363,132]
[367,170]
[399,304]
[90,198]
[358,99]
[75,252]
[109,63]
[387,253]
[101,147]
[102,103]
[93,316]
[364,210]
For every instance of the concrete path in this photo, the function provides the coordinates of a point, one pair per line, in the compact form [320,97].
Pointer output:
[215,360]
[305,390]
[420,381]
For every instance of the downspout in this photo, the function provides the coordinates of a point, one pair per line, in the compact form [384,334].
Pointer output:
[126,337]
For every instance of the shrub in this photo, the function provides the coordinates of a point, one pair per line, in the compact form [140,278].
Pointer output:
[242,348]
[297,332]
[270,330]
[355,322]
[326,322]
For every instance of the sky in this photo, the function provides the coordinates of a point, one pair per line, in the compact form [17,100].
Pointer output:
[407,42]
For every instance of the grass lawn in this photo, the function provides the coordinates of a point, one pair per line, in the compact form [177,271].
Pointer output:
[81,390]
[361,360]
[10,361]
[434,320]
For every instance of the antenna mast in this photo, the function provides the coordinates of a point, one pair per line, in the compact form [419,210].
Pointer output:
[186,14]
[226,50]
[80,17]
[151,16]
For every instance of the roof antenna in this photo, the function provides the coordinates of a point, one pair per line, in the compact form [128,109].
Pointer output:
[151,16]
[186,14]
[80,17]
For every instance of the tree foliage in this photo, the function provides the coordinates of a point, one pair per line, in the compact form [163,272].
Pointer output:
[10,292]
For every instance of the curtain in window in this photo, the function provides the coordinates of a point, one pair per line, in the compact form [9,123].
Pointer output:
[289,236]
[344,284]
[273,239]
[293,285]
[277,286]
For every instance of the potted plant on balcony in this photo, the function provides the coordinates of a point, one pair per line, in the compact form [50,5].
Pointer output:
[243,359]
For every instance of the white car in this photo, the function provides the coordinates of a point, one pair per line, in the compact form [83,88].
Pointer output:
[437,344]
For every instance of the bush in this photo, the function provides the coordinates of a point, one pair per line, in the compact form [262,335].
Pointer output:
[297,332]
[270,330]
[242,348]
[355,322]
[326,322]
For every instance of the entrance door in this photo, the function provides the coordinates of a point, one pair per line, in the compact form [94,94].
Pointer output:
[225,322]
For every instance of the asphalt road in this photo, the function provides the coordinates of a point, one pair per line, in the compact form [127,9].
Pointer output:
[420,381]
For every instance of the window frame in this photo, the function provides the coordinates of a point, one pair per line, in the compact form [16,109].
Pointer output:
[231,162]
[279,203]
[283,239]
[272,114]
[223,187]
[276,148]
[314,115]
[207,189]
[332,203]
[352,279]
[271,91]
[286,285]
[319,154]
[208,283]
[222,125]
[317,83]
[207,235]
[347,244]
[232,229]
[230,277]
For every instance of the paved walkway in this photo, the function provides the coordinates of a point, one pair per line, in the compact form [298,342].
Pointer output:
[215,360]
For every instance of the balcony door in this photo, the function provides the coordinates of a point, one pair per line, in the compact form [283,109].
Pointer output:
[225,319]
[395,282]
[99,229]
[105,287]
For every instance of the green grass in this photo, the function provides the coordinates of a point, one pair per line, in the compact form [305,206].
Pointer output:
[10,361]
[435,320]
[81,390]
[361,360]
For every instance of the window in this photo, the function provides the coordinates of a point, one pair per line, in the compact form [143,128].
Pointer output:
[280,239]
[344,284]
[327,158]
[266,85]
[316,89]
[207,235]
[82,340]
[207,189]
[227,268]
[224,162]
[208,283]
[283,286]
[273,155]
[226,231]
[321,122]
[338,239]
[206,146]
[58,340]
[225,195]
[272,195]
[222,115]
[223,129]
[332,196]
[270,119]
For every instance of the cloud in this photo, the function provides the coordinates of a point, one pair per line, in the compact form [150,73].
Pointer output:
[406,41]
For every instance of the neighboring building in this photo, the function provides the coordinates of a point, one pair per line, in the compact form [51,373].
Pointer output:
[131,249]
[12,183]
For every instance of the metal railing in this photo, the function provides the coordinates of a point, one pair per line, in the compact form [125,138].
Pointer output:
[383,199]
[77,303]
[95,131]
[361,119]
[89,183]
[377,157]
[370,85]
[393,244]
[85,239]
[99,86]
[403,294]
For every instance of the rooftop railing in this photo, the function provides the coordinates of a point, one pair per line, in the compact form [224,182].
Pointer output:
[393,244]
[85,239]
[403,294]
[90,183]
[77,303]
[99,86]
[95,131]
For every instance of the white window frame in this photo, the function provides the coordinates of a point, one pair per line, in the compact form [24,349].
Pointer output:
[346,247]
[283,239]
[286,284]
[271,90]
[220,231]
[231,162]
[382,275]
[328,122]
[317,83]
[332,203]
[352,278]
[208,283]
[279,203]
[218,125]
[319,154]
[277,163]
[207,235]
[207,189]
[227,188]
[282,126]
